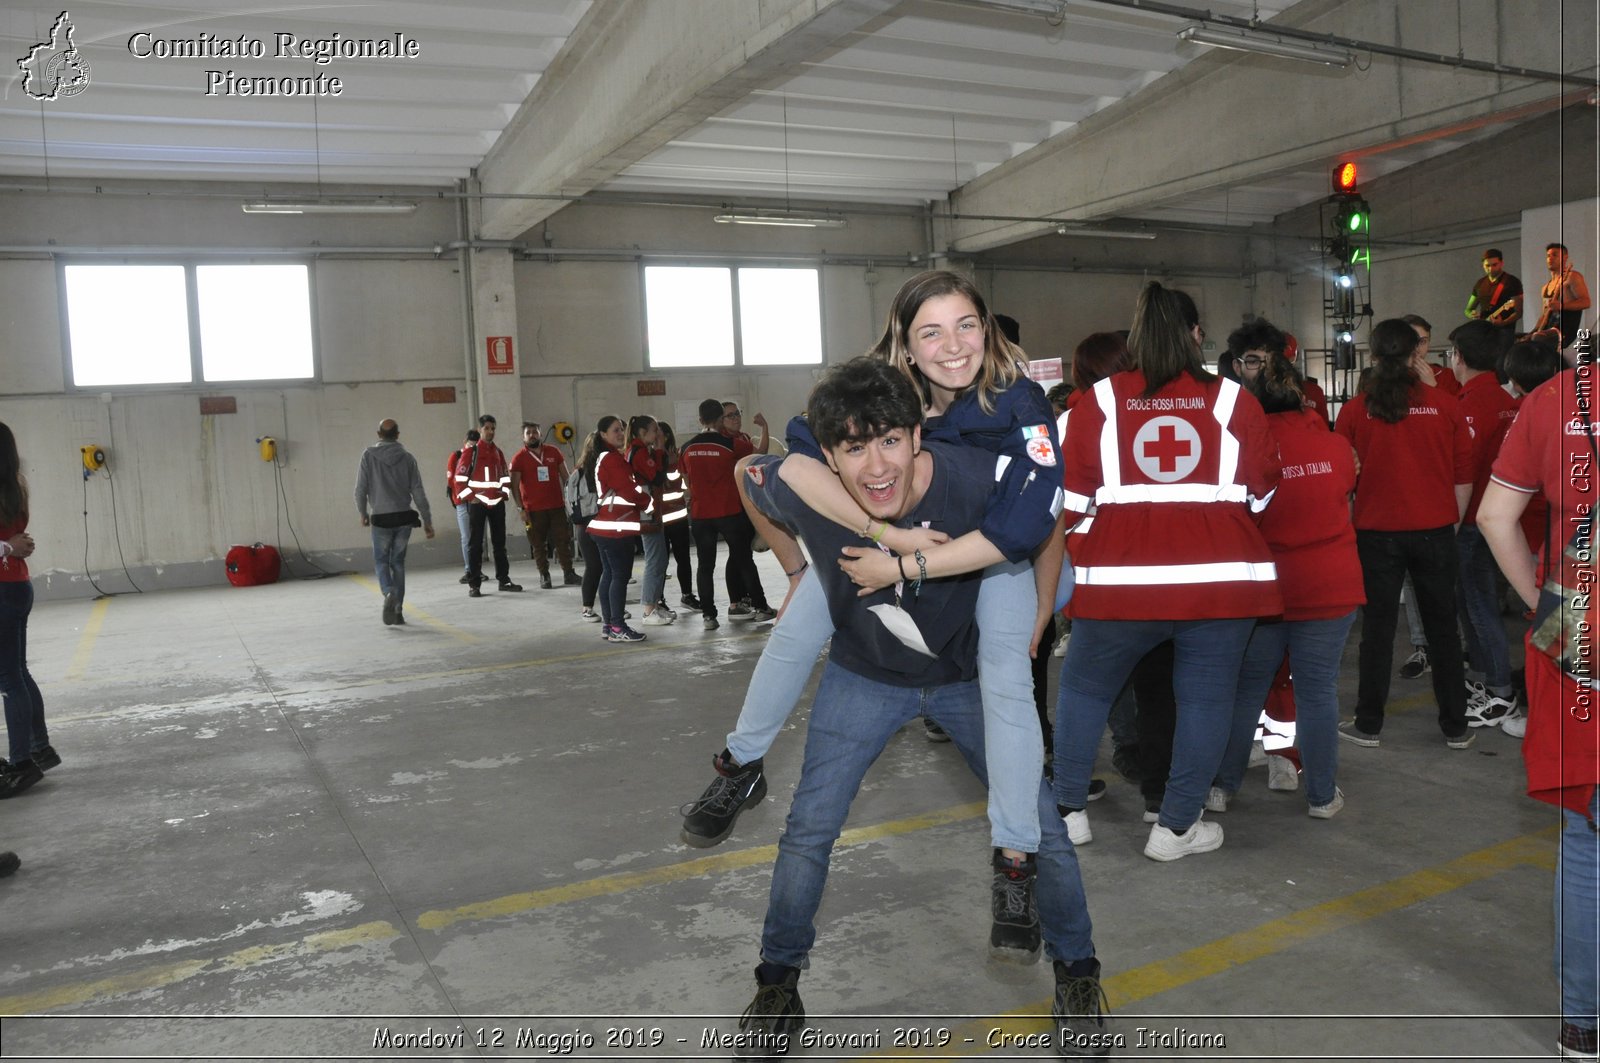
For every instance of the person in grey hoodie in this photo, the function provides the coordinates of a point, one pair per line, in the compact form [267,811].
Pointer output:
[387,486]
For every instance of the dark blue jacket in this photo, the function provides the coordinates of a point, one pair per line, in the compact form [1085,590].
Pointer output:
[1023,509]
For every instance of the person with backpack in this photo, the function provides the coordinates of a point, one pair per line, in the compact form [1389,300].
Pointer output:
[583,502]
[460,507]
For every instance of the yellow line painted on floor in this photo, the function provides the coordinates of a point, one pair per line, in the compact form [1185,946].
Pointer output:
[1235,950]
[172,973]
[518,903]
[413,613]
[91,631]
[1123,989]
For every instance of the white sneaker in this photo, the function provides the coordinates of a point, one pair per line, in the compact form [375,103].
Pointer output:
[1515,725]
[1078,828]
[590,615]
[1281,773]
[1490,710]
[1164,845]
[666,611]
[658,619]
[1061,645]
[1329,810]
[1258,755]
[1216,800]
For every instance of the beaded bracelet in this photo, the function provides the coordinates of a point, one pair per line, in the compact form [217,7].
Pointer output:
[922,572]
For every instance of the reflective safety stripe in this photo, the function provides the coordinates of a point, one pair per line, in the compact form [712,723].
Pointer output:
[1001,464]
[668,518]
[1110,457]
[1076,502]
[1058,502]
[671,496]
[1228,455]
[1156,575]
[614,525]
[1131,493]
[1083,526]
[489,500]
[1258,504]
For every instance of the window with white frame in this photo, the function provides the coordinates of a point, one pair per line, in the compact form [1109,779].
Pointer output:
[724,316]
[183,323]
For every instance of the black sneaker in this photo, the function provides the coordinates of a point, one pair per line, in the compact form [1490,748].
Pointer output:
[1097,789]
[1416,665]
[388,609]
[571,579]
[473,591]
[509,586]
[711,623]
[9,862]
[47,758]
[1079,1009]
[691,602]
[465,578]
[18,777]
[768,1026]
[708,820]
[934,731]
[1014,938]
[544,581]
[741,611]
[1576,1042]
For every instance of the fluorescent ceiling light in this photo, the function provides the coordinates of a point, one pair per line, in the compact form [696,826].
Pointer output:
[785,218]
[1110,234]
[366,206]
[1265,43]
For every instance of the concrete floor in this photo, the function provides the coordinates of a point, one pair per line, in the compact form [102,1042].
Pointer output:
[283,830]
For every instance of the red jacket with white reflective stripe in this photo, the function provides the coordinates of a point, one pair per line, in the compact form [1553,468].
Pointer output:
[1173,478]
[482,475]
[621,498]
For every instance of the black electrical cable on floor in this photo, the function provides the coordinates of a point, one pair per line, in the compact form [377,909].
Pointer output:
[87,574]
[117,532]
[322,573]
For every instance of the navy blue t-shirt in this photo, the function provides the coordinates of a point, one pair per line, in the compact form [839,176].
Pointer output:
[944,610]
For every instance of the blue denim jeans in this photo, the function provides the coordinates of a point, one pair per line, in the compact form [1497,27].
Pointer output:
[653,590]
[25,728]
[782,671]
[389,559]
[463,522]
[1205,678]
[1577,953]
[851,721]
[616,569]
[1315,648]
[1007,601]
[1484,636]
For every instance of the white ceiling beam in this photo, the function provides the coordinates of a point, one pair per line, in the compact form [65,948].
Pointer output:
[1264,116]
[634,75]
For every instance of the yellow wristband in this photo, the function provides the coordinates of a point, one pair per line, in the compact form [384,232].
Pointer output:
[878,538]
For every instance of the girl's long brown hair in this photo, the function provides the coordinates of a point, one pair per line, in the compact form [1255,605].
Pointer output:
[1004,363]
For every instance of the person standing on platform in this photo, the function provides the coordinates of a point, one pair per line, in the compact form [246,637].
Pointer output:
[1565,295]
[1497,297]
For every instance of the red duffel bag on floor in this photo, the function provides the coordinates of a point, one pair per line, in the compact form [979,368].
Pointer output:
[250,565]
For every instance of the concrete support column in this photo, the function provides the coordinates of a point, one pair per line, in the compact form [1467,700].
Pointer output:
[494,313]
